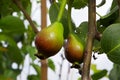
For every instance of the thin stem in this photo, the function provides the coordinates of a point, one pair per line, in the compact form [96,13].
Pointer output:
[44,68]
[19,5]
[43,14]
[62,7]
[44,65]
[118,1]
[69,15]
[98,14]
[61,66]
[90,39]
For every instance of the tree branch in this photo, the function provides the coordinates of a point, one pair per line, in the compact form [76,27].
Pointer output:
[19,5]
[44,64]
[90,39]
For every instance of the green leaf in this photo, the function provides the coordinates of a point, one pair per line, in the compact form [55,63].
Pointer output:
[110,42]
[108,18]
[33,77]
[13,50]
[114,4]
[31,50]
[11,73]
[37,68]
[98,75]
[115,73]
[82,31]
[2,77]
[94,68]
[30,35]
[53,13]
[51,64]
[102,3]
[11,24]
[7,8]
[78,4]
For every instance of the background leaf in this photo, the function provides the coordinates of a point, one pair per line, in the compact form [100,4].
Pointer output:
[13,51]
[78,4]
[115,73]
[98,75]
[51,64]
[111,35]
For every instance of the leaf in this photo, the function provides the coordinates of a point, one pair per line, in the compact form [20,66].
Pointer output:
[108,18]
[82,31]
[110,42]
[53,13]
[37,68]
[30,35]
[101,4]
[33,77]
[31,50]
[9,73]
[8,7]
[94,68]
[12,26]
[114,4]
[78,4]
[13,51]
[115,73]
[51,64]
[98,75]
[2,77]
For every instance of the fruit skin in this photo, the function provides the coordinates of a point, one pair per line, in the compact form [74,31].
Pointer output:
[74,49]
[50,40]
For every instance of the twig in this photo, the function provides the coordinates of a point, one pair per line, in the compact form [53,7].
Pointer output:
[44,69]
[44,64]
[61,66]
[19,5]
[90,39]
[118,1]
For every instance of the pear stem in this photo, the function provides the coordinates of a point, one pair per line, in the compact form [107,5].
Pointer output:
[69,15]
[90,39]
[62,7]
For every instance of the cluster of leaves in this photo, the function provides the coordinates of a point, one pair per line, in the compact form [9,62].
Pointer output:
[16,38]
[12,36]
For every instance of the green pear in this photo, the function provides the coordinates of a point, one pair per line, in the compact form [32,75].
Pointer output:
[74,49]
[49,40]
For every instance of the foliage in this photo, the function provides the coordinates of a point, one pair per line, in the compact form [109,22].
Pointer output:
[17,37]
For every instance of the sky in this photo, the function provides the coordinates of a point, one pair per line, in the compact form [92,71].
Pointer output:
[78,16]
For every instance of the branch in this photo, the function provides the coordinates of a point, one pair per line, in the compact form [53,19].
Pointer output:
[19,5]
[44,68]
[44,64]
[90,39]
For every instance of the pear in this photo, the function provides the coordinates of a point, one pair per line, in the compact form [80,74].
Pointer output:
[49,40]
[74,49]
